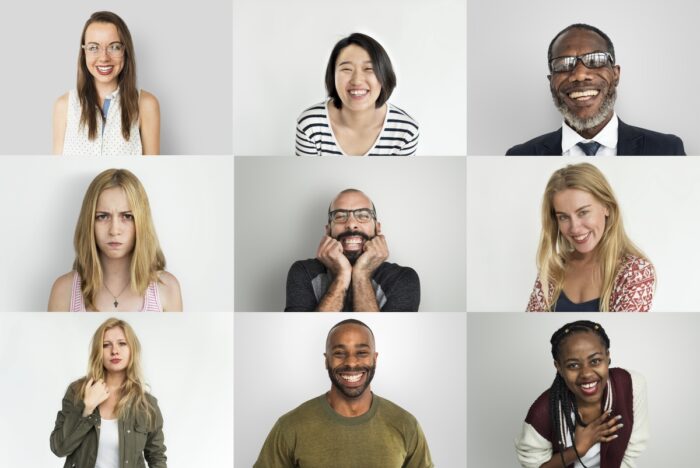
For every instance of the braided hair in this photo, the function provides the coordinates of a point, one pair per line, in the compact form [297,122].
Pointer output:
[562,403]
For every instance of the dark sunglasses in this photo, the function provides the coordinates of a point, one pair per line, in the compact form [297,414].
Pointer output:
[592,60]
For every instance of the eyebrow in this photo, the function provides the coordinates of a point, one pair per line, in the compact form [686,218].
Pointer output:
[589,357]
[109,212]
[348,62]
[577,210]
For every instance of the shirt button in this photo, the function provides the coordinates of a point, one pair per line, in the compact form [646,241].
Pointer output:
[128,431]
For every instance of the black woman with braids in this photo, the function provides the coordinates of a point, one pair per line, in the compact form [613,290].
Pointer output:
[592,416]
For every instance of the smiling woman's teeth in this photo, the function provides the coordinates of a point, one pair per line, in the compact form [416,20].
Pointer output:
[358,92]
[589,386]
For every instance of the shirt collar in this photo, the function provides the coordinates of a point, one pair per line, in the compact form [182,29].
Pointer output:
[606,137]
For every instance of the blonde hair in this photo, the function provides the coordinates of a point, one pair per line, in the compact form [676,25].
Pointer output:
[147,259]
[132,392]
[555,250]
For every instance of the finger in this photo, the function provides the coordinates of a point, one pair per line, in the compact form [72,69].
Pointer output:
[613,429]
[613,421]
[608,439]
[600,419]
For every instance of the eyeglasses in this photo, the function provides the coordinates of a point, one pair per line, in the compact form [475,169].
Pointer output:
[592,60]
[115,49]
[362,215]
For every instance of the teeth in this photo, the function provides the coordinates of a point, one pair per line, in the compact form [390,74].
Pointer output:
[581,237]
[352,240]
[589,386]
[105,69]
[358,92]
[351,377]
[583,94]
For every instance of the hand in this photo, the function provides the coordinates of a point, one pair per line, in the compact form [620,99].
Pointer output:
[375,252]
[330,253]
[95,393]
[599,430]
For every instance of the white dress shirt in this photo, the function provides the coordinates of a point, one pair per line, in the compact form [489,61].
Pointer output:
[607,138]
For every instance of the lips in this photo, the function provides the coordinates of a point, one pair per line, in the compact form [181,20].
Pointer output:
[352,243]
[104,70]
[352,379]
[115,361]
[589,388]
[114,245]
[358,93]
[583,238]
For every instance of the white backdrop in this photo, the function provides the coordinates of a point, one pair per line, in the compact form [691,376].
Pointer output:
[187,360]
[658,197]
[510,365]
[279,365]
[281,50]
[281,209]
[509,98]
[192,206]
[183,56]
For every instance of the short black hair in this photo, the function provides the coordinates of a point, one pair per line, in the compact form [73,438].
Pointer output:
[588,27]
[347,322]
[380,60]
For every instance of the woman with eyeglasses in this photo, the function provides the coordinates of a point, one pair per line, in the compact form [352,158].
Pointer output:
[108,419]
[586,261]
[356,119]
[106,114]
[592,416]
[118,265]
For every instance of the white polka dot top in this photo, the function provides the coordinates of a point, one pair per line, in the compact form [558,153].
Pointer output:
[109,141]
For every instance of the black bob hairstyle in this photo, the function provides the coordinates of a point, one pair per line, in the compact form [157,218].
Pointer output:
[380,61]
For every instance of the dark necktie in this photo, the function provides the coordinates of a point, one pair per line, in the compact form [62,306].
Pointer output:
[590,148]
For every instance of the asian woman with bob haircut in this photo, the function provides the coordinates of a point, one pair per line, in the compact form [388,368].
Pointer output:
[356,119]
[108,419]
[118,265]
[106,114]
[585,260]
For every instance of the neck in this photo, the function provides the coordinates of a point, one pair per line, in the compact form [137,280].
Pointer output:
[589,133]
[349,407]
[360,119]
[116,271]
[115,379]
[105,89]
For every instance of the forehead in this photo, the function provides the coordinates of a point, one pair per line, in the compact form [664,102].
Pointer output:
[572,199]
[113,198]
[351,201]
[580,344]
[350,335]
[353,54]
[114,333]
[577,42]
[101,32]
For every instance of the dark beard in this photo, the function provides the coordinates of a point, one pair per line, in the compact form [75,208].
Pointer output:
[352,256]
[355,392]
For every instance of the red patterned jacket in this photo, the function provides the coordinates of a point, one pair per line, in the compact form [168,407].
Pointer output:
[633,290]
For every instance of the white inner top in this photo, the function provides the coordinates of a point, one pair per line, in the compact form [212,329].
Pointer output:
[108,447]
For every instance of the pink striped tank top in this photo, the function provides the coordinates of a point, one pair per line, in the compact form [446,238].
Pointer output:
[151,301]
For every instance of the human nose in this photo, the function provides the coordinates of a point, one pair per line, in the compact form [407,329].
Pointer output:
[580,72]
[352,222]
[115,226]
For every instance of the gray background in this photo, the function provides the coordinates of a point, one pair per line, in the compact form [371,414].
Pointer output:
[421,367]
[508,94]
[187,362]
[510,365]
[281,50]
[281,209]
[191,202]
[658,197]
[183,56]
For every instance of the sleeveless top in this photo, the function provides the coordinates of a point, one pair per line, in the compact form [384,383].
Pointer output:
[151,301]
[109,140]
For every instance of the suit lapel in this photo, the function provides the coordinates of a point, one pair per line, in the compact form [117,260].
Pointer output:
[551,145]
[629,141]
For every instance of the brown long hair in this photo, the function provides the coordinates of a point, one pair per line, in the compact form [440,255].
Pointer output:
[147,258]
[128,92]
[132,398]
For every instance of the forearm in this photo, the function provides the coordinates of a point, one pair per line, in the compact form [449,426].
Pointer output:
[70,429]
[334,298]
[363,296]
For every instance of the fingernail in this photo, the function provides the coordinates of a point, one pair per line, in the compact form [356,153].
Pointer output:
[620,425]
[615,436]
[619,417]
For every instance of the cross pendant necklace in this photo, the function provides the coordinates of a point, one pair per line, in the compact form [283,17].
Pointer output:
[116,302]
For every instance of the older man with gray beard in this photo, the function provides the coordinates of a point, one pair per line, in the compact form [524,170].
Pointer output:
[583,80]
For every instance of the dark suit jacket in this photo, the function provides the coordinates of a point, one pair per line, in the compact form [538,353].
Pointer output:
[631,141]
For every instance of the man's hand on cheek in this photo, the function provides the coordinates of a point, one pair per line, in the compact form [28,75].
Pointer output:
[330,253]
[375,252]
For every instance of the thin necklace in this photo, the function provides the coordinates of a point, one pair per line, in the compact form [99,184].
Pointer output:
[116,302]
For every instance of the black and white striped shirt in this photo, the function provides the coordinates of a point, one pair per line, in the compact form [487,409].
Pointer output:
[399,135]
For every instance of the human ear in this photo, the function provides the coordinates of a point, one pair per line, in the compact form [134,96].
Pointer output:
[556,366]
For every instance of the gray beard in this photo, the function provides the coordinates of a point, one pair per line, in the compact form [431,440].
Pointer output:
[585,124]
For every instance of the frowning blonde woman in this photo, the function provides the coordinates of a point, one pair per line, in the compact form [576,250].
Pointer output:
[108,419]
[118,265]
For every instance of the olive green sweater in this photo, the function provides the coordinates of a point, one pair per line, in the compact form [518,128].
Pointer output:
[315,436]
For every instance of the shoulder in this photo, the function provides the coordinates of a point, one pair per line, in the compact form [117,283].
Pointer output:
[59,299]
[61,103]
[311,267]
[169,290]
[653,140]
[148,103]
[538,415]
[388,271]
[317,111]
[299,416]
[635,268]
[396,114]
[393,412]
[535,146]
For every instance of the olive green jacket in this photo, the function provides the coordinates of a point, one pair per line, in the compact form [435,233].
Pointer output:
[76,437]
